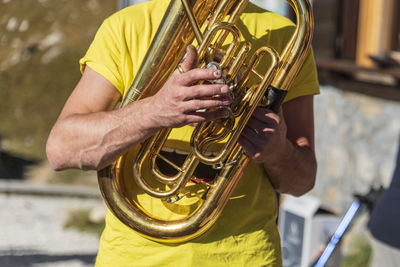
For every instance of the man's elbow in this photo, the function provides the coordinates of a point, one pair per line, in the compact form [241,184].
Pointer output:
[55,155]
[309,181]
[62,157]
[304,189]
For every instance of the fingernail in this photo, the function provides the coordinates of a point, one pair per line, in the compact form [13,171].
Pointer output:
[224,89]
[217,73]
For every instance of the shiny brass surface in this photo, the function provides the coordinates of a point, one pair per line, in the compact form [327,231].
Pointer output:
[181,24]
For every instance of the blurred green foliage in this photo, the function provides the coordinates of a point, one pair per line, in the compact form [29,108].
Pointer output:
[80,220]
[360,254]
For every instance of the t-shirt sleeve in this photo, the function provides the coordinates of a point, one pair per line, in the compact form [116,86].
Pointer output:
[306,81]
[104,54]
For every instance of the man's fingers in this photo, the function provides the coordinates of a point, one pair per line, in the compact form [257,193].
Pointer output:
[266,116]
[262,127]
[197,104]
[196,116]
[190,60]
[207,90]
[189,73]
[196,75]
[253,135]
[254,123]
[248,146]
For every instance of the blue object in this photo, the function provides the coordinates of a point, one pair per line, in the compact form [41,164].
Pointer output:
[341,229]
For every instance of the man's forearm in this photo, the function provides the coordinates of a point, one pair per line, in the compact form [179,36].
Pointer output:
[294,172]
[93,140]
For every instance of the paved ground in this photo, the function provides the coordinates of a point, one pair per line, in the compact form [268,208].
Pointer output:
[32,234]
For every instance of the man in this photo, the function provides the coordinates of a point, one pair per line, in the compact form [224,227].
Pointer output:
[89,134]
[384,221]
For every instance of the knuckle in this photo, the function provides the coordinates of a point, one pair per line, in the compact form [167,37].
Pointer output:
[178,94]
[174,78]
[180,110]
[209,89]
[193,74]
[197,104]
[185,119]
[210,104]
[215,89]
[196,90]
[218,103]
[180,80]
[257,157]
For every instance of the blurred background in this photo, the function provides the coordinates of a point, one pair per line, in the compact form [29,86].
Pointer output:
[54,219]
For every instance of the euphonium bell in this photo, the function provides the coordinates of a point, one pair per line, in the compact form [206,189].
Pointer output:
[182,23]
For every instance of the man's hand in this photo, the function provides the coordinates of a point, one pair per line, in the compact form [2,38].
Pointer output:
[182,101]
[284,144]
[90,134]
[264,137]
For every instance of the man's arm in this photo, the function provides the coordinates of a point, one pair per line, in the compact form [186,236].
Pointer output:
[284,144]
[89,134]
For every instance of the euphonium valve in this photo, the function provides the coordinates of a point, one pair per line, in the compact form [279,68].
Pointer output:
[211,23]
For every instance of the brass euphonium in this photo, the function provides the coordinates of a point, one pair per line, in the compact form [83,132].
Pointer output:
[182,23]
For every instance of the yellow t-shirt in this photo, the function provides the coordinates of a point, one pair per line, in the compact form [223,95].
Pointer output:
[246,233]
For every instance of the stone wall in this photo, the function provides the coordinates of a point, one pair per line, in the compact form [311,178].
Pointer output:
[357,138]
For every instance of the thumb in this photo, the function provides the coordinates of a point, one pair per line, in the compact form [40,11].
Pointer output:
[190,59]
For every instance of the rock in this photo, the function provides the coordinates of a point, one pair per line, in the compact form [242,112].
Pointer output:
[98,213]
[15,58]
[93,5]
[24,26]
[12,24]
[51,39]
[51,54]
[44,3]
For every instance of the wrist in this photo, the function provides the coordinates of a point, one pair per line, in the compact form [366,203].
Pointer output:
[281,155]
[147,116]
